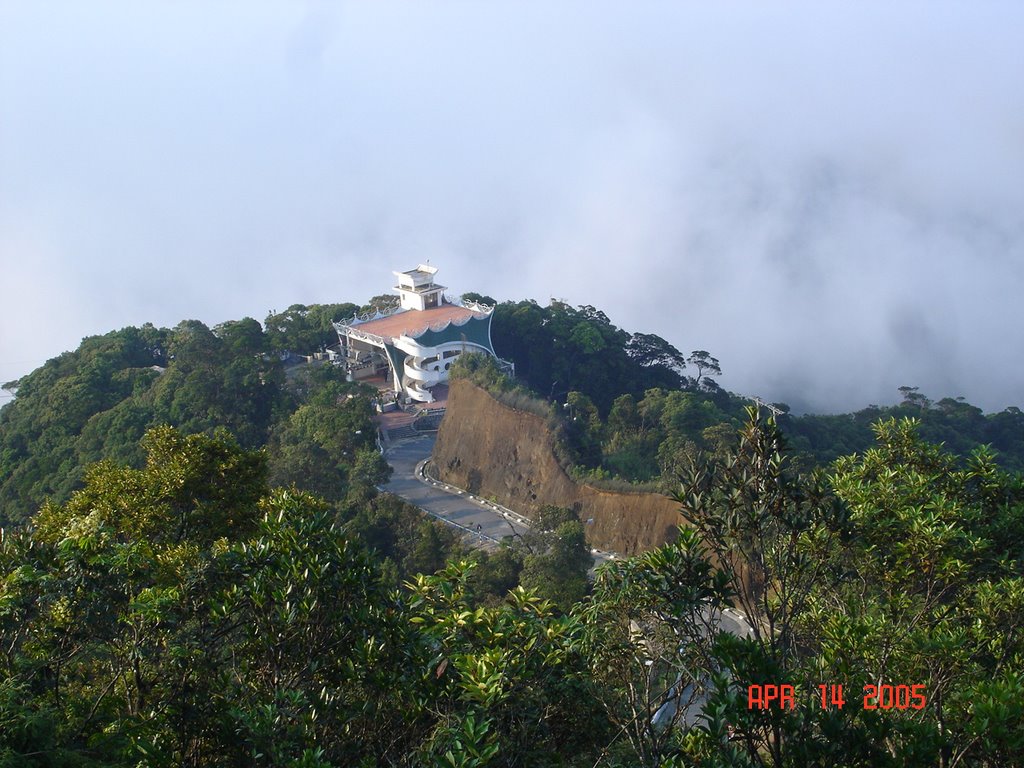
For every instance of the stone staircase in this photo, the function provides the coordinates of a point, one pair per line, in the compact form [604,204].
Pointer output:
[429,422]
[397,433]
[396,426]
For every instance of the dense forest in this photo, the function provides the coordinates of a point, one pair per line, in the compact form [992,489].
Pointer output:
[637,408]
[187,613]
[198,569]
[641,408]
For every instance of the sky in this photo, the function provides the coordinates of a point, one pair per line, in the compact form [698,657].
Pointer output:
[828,197]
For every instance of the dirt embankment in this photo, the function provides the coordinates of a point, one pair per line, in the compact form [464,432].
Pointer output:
[495,451]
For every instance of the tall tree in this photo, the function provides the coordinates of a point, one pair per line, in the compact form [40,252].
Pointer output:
[770,533]
[650,350]
[703,361]
[556,557]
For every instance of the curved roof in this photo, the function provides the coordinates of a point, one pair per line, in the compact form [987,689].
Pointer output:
[414,322]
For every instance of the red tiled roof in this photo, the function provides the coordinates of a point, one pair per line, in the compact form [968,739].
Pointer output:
[413,321]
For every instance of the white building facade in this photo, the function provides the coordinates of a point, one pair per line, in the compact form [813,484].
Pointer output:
[414,345]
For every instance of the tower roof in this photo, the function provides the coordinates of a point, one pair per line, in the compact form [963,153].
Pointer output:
[422,276]
[414,322]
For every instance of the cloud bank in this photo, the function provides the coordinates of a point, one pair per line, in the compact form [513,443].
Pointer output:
[826,197]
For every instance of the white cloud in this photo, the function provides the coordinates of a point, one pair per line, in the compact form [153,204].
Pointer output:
[827,196]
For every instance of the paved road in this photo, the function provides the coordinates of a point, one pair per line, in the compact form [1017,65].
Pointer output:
[484,523]
[456,508]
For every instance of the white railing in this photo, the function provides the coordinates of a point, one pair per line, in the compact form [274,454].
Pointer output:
[355,333]
[476,306]
[416,392]
[374,315]
[425,375]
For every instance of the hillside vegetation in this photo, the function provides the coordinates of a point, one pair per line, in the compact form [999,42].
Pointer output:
[186,613]
[634,407]
[639,409]
[197,569]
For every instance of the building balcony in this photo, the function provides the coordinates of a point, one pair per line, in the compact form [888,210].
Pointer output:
[425,374]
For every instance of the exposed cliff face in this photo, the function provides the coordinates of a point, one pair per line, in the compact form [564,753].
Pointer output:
[495,451]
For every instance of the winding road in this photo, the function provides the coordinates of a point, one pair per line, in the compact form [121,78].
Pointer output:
[482,522]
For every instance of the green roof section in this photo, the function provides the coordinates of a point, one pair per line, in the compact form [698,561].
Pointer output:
[473,331]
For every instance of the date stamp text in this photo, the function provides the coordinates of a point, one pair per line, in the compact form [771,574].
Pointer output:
[833,697]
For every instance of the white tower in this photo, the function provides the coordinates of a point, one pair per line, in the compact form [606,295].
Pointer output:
[417,290]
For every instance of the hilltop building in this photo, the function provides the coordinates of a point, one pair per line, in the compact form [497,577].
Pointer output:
[414,345]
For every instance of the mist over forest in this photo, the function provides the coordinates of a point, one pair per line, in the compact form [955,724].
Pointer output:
[827,198]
